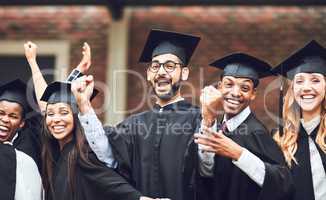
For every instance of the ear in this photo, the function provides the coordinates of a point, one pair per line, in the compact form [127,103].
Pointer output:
[184,73]
[253,96]
[148,75]
[22,124]
[219,85]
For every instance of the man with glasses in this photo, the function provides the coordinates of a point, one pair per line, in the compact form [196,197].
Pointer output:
[153,149]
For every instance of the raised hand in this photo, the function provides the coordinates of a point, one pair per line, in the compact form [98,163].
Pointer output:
[211,100]
[30,51]
[85,62]
[218,143]
[82,88]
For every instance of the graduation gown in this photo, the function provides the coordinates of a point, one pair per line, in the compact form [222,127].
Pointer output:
[95,181]
[302,175]
[28,140]
[232,184]
[156,151]
[8,165]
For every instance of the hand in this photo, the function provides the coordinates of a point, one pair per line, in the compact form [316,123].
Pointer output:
[30,51]
[218,143]
[85,62]
[145,198]
[82,88]
[211,100]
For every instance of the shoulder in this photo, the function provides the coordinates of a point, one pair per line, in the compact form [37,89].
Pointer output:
[254,125]
[25,161]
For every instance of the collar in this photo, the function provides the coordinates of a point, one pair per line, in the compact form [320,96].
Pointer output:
[14,138]
[179,104]
[237,120]
[311,125]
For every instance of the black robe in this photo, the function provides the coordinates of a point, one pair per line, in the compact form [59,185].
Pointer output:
[302,175]
[155,149]
[232,184]
[28,140]
[93,181]
[8,164]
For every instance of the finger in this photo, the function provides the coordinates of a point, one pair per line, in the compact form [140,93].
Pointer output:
[207,148]
[208,130]
[209,141]
[89,79]
[219,134]
[203,142]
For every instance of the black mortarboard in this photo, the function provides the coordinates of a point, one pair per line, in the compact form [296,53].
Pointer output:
[242,65]
[311,58]
[58,92]
[164,42]
[15,91]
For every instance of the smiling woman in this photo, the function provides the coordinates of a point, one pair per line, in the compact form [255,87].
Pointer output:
[70,169]
[303,140]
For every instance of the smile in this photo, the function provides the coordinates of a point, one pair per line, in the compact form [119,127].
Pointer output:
[307,98]
[233,101]
[58,128]
[4,130]
[162,82]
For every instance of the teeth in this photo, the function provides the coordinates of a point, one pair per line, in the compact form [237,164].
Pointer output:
[3,128]
[58,128]
[308,96]
[233,101]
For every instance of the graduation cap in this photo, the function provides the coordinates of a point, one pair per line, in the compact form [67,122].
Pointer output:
[58,92]
[15,91]
[163,42]
[310,59]
[242,65]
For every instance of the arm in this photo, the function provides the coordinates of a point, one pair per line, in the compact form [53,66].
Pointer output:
[38,79]
[210,100]
[96,138]
[27,173]
[82,89]
[205,159]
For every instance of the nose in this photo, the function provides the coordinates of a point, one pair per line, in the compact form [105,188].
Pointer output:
[235,92]
[56,119]
[4,118]
[306,86]
[161,70]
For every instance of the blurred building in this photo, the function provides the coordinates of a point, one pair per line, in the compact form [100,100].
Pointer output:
[268,32]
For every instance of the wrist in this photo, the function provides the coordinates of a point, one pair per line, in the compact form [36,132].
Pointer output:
[32,61]
[208,122]
[84,106]
[237,153]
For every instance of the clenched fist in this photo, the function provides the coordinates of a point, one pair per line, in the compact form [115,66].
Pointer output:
[85,62]
[30,51]
[211,100]
[82,88]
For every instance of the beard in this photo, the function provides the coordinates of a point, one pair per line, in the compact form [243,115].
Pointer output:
[171,93]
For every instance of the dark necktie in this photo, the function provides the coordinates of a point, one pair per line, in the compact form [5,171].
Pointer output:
[224,127]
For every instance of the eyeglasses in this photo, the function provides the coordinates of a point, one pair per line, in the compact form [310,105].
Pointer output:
[168,66]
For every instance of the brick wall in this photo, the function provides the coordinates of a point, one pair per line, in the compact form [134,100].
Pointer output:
[74,24]
[270,33]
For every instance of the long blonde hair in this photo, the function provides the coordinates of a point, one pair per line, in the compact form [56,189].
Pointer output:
[291,119]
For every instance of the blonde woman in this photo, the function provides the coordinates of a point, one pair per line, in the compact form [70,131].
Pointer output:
[303,136]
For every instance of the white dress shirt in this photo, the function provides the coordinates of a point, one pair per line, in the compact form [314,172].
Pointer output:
[28,179]
[317,169]
[97,139]
[248,162]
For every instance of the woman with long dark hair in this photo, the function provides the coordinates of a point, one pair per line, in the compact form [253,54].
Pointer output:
[70,169]
[303,136]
